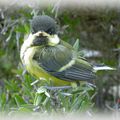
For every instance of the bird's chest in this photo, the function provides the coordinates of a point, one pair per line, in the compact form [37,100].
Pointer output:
[32,65]
[28,55]
[29,63]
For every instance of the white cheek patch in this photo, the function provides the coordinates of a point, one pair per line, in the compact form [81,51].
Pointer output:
[54,40]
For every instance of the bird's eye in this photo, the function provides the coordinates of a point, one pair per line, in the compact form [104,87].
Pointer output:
[49,31]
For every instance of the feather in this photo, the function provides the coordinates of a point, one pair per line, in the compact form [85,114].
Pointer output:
[57,61]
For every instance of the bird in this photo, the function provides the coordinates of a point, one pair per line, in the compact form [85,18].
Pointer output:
[47,57]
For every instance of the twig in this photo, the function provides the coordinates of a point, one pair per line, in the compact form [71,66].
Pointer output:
[58,88]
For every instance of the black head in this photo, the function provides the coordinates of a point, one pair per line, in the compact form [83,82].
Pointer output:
[43,23]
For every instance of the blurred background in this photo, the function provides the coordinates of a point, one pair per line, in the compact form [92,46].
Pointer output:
[98,32]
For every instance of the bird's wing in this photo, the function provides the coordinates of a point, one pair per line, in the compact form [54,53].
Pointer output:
[79,71]
[63,63]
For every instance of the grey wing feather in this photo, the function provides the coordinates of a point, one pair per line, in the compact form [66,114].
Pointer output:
[52,59]
[77,73]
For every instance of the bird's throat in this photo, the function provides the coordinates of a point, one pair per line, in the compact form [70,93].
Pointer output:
[53,40]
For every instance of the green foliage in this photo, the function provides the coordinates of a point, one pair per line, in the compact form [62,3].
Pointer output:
[76,45]
[24,96]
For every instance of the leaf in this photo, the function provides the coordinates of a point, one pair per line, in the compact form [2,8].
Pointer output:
[47,94]
[85,105]
[33,83]
[41,90]
[24,109]
[2,101]
[20,29]
[37,99]
[19,100]
[27,28]
[45,101]
[76,45]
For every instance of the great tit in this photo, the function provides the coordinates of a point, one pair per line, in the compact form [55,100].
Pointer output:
[46,56]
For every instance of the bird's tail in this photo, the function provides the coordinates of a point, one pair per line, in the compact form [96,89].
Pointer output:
[102,67]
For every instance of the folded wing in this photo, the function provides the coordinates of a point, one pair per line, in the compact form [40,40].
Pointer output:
[57,62]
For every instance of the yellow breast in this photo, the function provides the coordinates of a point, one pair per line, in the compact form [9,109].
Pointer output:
[34,69]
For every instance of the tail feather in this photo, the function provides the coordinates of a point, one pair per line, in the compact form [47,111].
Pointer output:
[100,68]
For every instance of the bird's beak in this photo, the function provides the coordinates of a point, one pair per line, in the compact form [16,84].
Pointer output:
[40,40]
